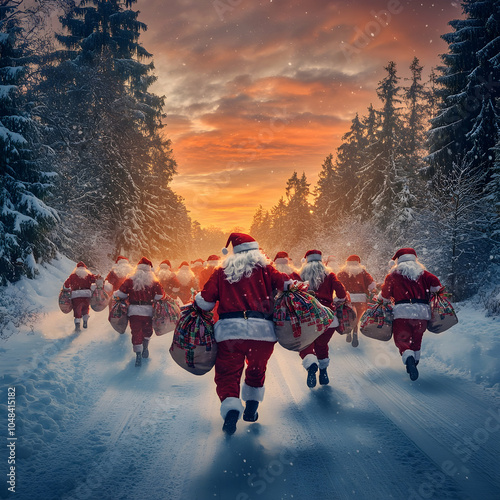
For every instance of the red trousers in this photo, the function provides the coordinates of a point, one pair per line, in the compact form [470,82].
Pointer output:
[80,306]
[231,357]
[408,333]
[141,328]
[320,346]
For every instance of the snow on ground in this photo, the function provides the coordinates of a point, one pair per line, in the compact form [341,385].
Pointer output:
[89,424]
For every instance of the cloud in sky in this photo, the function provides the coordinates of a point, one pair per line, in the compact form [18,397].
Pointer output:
[256,90]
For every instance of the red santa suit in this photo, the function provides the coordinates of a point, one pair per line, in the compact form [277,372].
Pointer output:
[410,286]
[81,283]
[188,282]
[245,331]
[358,282]
[206,272]
[197,267]
[141,288]
[119,271]
[168,280]
[324,284]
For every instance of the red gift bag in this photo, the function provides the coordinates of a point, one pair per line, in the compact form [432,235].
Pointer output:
[65,300]
[193,346]
[118,314]
[376,322]
[299,318]
[346,315]
[166,313]
[443,315]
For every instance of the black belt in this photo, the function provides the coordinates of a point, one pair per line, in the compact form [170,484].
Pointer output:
[412,301]
[246,315]
[142,303]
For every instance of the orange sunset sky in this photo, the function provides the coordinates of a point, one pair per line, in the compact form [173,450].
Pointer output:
[257,89]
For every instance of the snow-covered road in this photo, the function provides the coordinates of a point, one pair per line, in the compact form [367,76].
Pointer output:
[92,425]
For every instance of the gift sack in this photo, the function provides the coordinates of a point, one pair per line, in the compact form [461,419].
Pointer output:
[118,314]
[299,318]
[443,315]
[99,299]
[193,346]
[376,322]
[346,315]
[65,300]
[166,313]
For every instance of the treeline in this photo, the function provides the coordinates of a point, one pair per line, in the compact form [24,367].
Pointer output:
[420,168]
[85,165]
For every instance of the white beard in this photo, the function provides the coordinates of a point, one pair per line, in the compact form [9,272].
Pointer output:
[409,269]
[284,268]
[122,268]
[142,279]
[164,274]
[242,264]
[81,272]
[185,276]
[353,268]
[315,273]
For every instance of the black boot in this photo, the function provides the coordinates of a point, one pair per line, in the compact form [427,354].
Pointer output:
[355,341]
[323,377]
[138,359]
[145,350]
[348,337]
[250,414]
[229,426]
[85,322]
[311,375]
[411,368]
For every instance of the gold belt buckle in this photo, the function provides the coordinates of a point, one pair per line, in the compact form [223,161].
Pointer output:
[245,314]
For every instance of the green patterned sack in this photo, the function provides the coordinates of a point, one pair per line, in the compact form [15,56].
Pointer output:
[299,318]
[193,346]
[166,313]
[443,315]
[376,322]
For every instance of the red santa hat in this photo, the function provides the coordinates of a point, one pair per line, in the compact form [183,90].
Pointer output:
[145,262]
[212,258]
[241,243]
[81,264]
[313,255]
[165,263]
[197,262]
[405,254]
[120,257]
[354,258]
[184,263]
[281,258]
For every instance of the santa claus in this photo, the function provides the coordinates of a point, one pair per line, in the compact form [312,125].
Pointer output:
[409,285]
[283,264]
[324,284]
[359,283]
[119,271]
[81,282]
[197,267]
[188,282]
[168,280]
[141,289]
[206,272]
[243,285]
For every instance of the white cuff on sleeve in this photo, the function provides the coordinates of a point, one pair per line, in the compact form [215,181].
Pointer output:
[202,303]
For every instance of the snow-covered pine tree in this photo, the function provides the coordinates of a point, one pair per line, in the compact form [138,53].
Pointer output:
[299,211]
[25,218]
[325,192]
[464,128]
[106,126]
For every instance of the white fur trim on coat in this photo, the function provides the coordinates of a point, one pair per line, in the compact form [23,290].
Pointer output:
[140,310]
[108,287]
[252,393]
[202,303]
[309,360]
[358,297]
[77,294]
[120,295]
[137,348]
[244,329]
[412,311]
[230,404]
[407,354]
[323,363]
[417,355]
